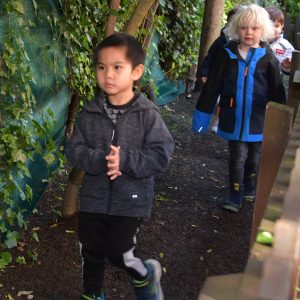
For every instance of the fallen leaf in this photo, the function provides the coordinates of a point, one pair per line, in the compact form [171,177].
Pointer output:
[167,108]
[213,178]
[21,249]
[214,216]
[24,293]
[35,228]
[53,225]
[70,231]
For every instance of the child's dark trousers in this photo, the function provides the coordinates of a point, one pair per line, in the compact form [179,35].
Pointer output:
[113,237]
[243,167]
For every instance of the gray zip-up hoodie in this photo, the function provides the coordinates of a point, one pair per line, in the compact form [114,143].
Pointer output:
[145,149]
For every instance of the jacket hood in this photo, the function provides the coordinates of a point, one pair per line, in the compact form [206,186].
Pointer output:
[141,103]
[233,46]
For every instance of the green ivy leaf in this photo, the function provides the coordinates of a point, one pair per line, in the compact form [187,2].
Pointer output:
[35,236]
[49,158]
[18,5]
[5,259]
[11,239]
[18,155]
[21,260]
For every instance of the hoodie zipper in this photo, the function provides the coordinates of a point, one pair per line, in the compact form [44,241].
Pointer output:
[246,71]
[113,142]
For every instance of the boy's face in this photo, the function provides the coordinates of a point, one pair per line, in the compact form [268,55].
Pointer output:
[278,27]
[249,35]
[115,74]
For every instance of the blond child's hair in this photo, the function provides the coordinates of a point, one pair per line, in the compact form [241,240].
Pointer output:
[251,15]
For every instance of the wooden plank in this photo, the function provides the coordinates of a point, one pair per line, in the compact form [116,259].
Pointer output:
[288,27]
[276,283]
[291,208]
[276,135]
[294,87]
[297,33]
[250,284]
[221,287]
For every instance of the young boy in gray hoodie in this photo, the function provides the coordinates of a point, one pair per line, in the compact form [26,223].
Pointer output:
[121,142]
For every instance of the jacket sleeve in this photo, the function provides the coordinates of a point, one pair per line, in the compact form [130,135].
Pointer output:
[156,152]
[206,66]
[288,54]
[82,156]
[210,93]
[275,82]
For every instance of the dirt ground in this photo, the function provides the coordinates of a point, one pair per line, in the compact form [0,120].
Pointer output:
[189,233]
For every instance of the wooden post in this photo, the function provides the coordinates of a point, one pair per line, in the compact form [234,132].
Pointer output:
[276,136]
[287,27]
[291,207]
[297,33]
[294,83]
[280,270]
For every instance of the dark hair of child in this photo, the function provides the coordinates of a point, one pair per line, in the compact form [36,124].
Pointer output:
[134,51]
[276,14]
[232,12]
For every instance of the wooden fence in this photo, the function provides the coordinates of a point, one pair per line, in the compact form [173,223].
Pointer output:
[272,272]
[292,31]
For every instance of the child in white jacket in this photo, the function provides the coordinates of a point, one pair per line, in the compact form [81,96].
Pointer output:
[281,47]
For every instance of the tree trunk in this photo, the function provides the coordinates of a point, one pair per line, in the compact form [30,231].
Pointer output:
[149,24]
[69,206]
[213,13]
[70,200]
[138,16]
[114,6]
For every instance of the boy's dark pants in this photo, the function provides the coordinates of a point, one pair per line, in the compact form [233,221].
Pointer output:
[243,168]
[113,237]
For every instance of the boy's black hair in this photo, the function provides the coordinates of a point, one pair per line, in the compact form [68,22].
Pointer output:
[276,14]
[232,12]
[134,51]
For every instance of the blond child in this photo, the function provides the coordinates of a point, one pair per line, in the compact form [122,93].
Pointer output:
[246,75]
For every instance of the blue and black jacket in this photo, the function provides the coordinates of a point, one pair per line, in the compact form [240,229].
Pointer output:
[217,45]
[244,87]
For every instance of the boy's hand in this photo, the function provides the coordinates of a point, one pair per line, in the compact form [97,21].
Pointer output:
[203,79]
[113,162]
[286,63]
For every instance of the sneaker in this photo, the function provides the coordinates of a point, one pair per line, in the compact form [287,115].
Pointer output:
[150,288]
[250,185]
[249,197]
[92,297]
[214,129]
[231,206]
